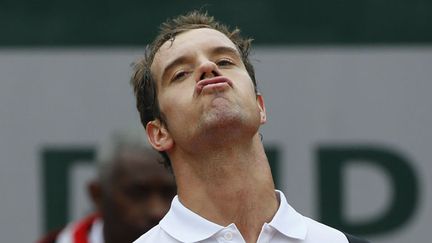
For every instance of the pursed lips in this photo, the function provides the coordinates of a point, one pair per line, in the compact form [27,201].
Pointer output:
[215,80]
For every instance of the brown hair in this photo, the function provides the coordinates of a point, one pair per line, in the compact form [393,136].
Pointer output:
[144,85]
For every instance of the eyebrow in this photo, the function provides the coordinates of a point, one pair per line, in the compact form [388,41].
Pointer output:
[183,59]
[225,49]
[175,62]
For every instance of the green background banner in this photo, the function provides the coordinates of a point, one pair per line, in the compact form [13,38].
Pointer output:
[117,23]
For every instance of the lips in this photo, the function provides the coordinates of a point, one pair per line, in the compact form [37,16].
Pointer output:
[211,82]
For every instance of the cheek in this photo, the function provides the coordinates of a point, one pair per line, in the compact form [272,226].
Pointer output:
[128,209]
[175,103]
[244,81]
[121,203]
[246,88]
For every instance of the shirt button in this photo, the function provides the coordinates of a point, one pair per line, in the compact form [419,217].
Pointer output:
[228,236]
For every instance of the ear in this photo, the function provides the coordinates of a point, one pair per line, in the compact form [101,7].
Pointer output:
[261,106]
[94,190]
[158,135]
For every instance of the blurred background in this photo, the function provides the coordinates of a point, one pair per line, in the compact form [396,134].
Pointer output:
[347,88]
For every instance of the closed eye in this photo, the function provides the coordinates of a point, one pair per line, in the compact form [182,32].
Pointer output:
[224,62]
[179,75]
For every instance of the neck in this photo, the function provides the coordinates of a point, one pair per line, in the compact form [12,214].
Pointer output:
[232,184]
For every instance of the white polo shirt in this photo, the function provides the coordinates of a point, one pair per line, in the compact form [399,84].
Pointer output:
[287,226]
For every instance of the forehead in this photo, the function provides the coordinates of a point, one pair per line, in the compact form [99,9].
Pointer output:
[188,42]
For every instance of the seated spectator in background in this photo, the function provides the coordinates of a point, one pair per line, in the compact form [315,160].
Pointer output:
[131,194]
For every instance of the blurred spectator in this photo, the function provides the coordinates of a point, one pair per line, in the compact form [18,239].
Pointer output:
[131,194]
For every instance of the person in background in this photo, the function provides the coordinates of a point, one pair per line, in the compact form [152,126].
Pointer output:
[131,193]
[198,99]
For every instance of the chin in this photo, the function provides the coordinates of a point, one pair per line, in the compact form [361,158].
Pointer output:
[222,119]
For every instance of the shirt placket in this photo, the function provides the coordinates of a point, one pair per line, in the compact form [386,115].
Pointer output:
[230,234]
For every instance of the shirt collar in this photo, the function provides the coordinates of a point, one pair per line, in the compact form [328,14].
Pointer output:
[288,221]
[187,226]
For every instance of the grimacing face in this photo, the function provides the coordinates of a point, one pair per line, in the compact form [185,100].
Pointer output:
[140,195]
[203,84]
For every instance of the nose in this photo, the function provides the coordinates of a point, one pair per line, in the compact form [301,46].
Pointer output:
[207,69]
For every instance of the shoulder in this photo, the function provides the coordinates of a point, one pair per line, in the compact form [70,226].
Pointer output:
[156,234]
[318,232]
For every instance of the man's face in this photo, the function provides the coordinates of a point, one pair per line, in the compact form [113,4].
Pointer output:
[140,194]
[203,85]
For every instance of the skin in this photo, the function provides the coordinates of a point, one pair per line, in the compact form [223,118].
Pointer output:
[211,131]
[137,195]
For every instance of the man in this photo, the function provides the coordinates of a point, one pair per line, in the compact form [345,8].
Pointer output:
[131,194]
[197,97]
